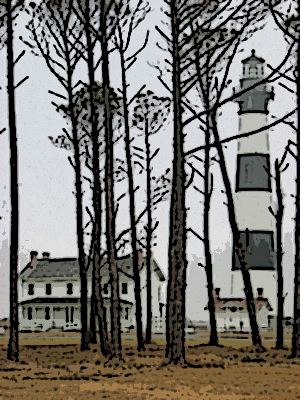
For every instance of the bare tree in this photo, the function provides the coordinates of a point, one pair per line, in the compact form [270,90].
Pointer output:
[8,13]
[115,326]
[175,312]
[88,10]
[56,34]
[279,253]
[149,114]
[127,21]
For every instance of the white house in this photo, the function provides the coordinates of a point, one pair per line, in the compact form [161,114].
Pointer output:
[50,292]
[232,314]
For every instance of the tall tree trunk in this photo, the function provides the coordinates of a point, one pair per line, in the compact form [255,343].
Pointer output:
[149,235]
[100,310]
[279,253]
[115,325]
[296,324]
[79,212]
[135,257]
[96,172]
[93,333]
[13,344]
[175,349]
[96,297]
[241,253]
[213,341]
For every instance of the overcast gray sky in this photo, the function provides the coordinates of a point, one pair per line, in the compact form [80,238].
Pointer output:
[47,205]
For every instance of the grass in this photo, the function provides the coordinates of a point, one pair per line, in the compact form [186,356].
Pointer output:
[56,369]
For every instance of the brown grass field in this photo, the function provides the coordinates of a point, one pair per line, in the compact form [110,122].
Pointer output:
[54,368]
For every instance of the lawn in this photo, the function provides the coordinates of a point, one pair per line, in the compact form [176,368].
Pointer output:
[54,368]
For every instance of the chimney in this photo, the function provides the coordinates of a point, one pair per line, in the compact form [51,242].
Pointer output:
[141,256]
[260,293]
[217,293]
[46,255]
[33,258]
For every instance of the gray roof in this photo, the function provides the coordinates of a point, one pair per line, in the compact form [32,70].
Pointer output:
[69,268]
[253,59]
[53,267]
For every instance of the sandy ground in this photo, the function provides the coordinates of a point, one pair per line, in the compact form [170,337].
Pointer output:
[50,369]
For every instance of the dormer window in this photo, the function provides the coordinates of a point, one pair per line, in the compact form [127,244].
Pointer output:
[69,288]
[48,288]
[31,289]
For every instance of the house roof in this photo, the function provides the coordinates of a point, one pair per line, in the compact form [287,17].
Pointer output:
[64,300]
[240,303]
[69,268]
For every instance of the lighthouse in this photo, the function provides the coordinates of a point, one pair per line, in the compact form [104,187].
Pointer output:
[253,187]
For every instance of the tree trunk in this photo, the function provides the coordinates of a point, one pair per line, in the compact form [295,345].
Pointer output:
[241,253]
[296,324]
[79,213]
[175,349]
[100,310]
[279,253]
[96,299]
[13,344]
[93,333]
[96,172]
[135,257]
[213,341]
[149,236]
[115,325]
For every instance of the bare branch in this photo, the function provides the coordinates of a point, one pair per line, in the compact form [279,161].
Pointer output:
[195,234]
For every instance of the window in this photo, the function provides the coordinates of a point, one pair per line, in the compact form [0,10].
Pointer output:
[39,313]
[72,315]
[261,250]
[69,288]
[253,172]
[126,313]
[67,314]
[161,310]
[31,289]
[29,313]
[124,288]
[47,313]
[48,288]
[159,293]
[105,288]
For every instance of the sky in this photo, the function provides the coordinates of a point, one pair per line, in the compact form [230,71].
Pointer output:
[46,179]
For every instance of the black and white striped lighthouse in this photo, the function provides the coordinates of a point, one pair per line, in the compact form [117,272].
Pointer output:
[253,188]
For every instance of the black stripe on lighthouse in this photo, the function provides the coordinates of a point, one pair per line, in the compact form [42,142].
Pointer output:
[253,172]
